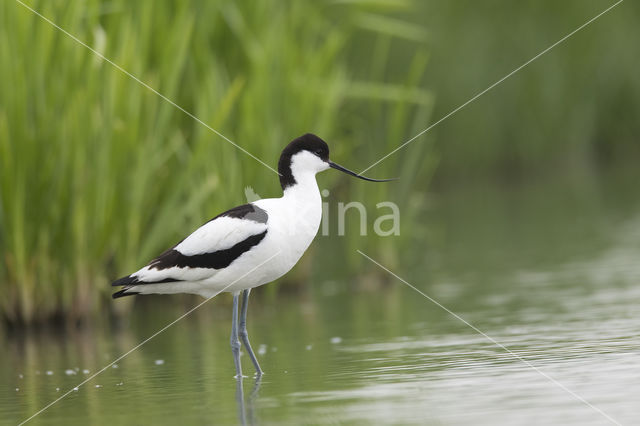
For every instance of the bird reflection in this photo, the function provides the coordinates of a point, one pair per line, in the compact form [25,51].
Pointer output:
[246,413]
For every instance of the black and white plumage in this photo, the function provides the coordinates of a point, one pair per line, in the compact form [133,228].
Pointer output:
[197,258]
[266,237]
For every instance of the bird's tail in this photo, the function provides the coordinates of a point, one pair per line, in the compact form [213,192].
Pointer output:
[127,283]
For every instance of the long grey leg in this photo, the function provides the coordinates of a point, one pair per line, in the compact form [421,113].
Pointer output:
[243,331]
[235,342]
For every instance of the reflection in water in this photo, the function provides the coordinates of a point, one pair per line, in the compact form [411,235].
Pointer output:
[246,413]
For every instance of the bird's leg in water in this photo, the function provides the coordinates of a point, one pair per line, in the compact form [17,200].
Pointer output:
[244,336]
[235,342]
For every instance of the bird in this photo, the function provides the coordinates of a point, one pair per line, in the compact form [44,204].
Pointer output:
[247,246]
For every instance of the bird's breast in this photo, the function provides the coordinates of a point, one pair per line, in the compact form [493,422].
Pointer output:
[292,225]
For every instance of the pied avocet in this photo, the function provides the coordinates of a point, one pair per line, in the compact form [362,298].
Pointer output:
[247,246]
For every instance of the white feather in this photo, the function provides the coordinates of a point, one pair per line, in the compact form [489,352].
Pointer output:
[293,221]
[219,234]
[147,274]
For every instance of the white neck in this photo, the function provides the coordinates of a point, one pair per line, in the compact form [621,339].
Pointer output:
[304,167]
[303,206]
[305,190]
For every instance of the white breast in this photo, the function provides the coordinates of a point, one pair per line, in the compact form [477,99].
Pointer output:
[294,220]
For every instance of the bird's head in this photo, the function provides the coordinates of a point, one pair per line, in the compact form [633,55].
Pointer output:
[309,154]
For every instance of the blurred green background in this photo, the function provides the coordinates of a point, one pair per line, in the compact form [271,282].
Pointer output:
[98,174]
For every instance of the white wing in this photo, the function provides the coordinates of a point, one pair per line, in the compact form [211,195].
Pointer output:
[219,234]
[208,249]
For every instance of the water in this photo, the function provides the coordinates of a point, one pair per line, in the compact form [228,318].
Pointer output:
[548,270]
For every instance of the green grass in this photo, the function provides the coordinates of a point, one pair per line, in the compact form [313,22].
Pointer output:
[98,174]
[570,111]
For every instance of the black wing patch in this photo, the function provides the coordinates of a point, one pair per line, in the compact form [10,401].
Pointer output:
[246,211]
[221,258]
[215,260]
[123,293]
[131,281]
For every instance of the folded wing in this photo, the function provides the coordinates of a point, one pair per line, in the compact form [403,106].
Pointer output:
[213,246]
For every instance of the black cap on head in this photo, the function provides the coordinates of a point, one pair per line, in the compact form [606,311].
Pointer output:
[308,142]
[315,146]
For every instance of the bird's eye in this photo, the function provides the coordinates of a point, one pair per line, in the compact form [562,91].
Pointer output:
[319,151]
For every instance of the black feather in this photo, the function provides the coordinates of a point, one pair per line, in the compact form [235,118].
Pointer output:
[128,280]
[122,293]
[246,211]
[308,142]
[214,260]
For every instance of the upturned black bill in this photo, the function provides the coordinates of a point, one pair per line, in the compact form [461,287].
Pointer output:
[349,172]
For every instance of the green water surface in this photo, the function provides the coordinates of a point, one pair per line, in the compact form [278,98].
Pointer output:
[549,270]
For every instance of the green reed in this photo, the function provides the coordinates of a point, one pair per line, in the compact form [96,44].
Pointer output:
[98,174]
